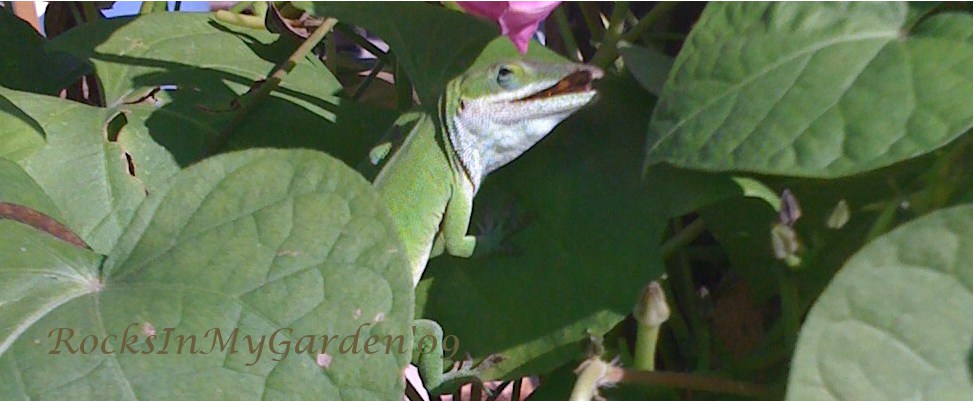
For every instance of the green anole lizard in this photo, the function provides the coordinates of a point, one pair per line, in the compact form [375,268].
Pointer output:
[485,118]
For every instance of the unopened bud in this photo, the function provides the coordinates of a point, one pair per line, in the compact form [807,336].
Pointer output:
[839,215]
[652,309]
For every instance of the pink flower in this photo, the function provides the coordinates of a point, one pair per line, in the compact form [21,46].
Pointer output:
[518,19]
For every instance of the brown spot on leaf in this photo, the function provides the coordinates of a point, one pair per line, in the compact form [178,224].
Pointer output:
[40,221]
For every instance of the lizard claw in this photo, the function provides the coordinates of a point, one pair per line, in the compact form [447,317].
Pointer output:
[465,372]
[496,226]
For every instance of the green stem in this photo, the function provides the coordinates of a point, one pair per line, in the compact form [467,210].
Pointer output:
[682,238]
[76,13]
[149,7]
[251,100]
[690,381]
[644,357]
[651,311]
[607,51]
[90,11]
[677,323]
[379,64]
[364,43]
[659,10]
[590,14]
[565,31]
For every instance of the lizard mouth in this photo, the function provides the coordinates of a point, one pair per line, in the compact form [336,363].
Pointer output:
[576,82]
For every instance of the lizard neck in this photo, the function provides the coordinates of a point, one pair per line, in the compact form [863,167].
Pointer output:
[485,134]
[464,150]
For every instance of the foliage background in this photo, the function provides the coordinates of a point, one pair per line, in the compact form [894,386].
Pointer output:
[706,116]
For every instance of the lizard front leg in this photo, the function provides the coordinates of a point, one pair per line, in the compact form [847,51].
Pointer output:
[456,222]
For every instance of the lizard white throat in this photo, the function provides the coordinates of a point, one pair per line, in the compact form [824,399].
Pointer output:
[491,131]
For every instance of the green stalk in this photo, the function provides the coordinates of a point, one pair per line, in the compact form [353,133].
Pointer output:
[660,9]
[90,11]
[595,28]
[696,382]
[607,51]
[682,238]
[149,7]
[565,31]
[650,312]
[249,101]
[379,64]
[364,43]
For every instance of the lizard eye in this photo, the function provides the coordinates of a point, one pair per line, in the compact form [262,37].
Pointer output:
[505,77]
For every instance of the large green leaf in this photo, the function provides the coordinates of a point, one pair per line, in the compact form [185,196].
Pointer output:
[17,187]
[590,245]
[649,66]
[895,323]
[434,44]
[813,89]
[84,174]
[259,241]
[21,135]
[202,66]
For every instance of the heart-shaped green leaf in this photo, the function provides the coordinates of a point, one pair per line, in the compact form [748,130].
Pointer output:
[434,44]
[177,77]
[18,188]
[85,175]
[649,66]
[21,135]
[813,89]
[895,322]
[261,242]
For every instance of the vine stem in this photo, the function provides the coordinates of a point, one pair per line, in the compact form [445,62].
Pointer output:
[690,381]
[251,100]
[607,51]
[682,238]
[565,31]
[647,20]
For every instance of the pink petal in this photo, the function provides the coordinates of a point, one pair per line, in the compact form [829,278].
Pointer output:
[491,10]
[520,21]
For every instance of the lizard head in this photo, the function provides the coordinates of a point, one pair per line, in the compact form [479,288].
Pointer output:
[496,113]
